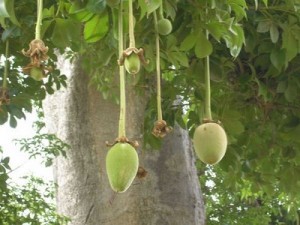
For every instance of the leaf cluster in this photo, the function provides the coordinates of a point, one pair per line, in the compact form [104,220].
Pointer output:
[254,52]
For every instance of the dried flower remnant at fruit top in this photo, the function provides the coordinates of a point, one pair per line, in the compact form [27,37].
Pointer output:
[37,53]
[132,62]
[161,129]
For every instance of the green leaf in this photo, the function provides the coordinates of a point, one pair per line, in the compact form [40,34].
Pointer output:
[96,28]
[274,33]
[203,46]
[3,10]
[79,13]
[216,29]
[3,115]
[289,42]
[7,9]
[143,8]
[12,121]
[96,6]
[265,2]
[181,58]
[10,32]
[281,87]
[239,11]
[189,42]
[291,91]
[263,26]
[153,5]
[277,58]
[65,32]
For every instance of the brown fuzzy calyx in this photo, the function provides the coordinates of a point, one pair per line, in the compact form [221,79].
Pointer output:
[161,129]
[37,53]
[134,144]
[132,50]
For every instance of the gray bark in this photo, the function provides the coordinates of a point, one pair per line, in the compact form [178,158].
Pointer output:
[169,194]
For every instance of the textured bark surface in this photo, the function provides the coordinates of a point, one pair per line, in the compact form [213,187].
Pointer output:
[168,195]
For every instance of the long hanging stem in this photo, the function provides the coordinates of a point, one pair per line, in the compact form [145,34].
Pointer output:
[131,28]
[4,84]
[158,75]
[122,119]
[39,19]
[161,11]
[207,88]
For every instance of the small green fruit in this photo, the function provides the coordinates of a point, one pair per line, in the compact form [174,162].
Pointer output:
[37,73]
[112,3]
[210,142]
[132,63]
[121,166]
[164,26]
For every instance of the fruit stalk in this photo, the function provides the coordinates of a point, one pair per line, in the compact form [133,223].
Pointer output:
[161,11]
[39,19]
[122,120]
[131,28]
[208,115]
[158,75]
[5,75]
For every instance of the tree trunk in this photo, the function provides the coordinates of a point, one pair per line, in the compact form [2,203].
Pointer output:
[169,194]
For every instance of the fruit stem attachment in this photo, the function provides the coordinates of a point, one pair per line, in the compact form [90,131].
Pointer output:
[122,119]
[131,26]
[5,75]
[161,11]
[158,75]
[208,115]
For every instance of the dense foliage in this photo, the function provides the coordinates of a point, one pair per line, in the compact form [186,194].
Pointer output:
[254,50]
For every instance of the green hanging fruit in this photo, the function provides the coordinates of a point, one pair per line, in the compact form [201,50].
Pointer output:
[37,73]
[121,166]
[112,3]
[164,26]
[132,63]
[210,142]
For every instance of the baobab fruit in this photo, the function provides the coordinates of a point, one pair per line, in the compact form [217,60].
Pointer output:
[122,164]
[112,3]
[37,73]
[164,26]
[210,142]
[132,63]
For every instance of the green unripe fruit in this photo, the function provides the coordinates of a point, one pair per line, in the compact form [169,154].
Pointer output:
[37,73]
[132,63]
[121,166]
[164,26]
[210,143]
[112,3]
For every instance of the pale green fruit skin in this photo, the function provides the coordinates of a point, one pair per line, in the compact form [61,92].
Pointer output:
[36,73]
[121,166]
[210,143]
[164,26]
[132,64]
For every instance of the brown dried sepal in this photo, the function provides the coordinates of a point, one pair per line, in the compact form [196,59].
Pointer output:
[4,96]
[206,120]
[141,173]
[37,53]
[161,129]
[134,144]
[127,52]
